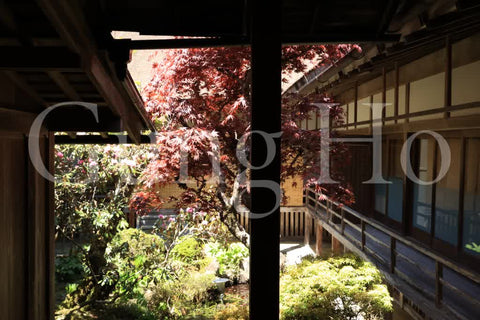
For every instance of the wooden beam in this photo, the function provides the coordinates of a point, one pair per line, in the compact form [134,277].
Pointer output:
[25,87]
[397,91]
[13,120]
[10,22]
[388,13]
[98,139]
[63,83]
[69,21]
[448,74]
[266,117]
[77,119]
[158,44]
[181,43]
[39,59]
[337,37]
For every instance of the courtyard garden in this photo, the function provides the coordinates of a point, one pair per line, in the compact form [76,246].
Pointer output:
[112,271]
[195,264]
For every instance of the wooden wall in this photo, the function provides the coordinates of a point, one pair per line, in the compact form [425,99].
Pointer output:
[26,232]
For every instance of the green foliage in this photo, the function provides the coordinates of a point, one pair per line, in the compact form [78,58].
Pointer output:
[93,186]
[473,246]
[118,310]
[229,258]
[233,312]
[338,288]
[187,250]
[182,298]
[71,288]
[138,258]
[68,268]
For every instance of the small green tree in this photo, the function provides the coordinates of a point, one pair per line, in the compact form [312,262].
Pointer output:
[93,186]
[339,288]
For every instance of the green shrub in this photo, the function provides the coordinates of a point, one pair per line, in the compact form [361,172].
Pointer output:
[233,312]
[182,297]
[138,258]
[188,250]
[338,288]
[68,268]
[229,258]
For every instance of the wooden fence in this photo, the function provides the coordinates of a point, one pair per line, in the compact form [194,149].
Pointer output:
[293,223]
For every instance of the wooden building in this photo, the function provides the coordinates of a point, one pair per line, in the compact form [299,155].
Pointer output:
[421,234]
[53,51]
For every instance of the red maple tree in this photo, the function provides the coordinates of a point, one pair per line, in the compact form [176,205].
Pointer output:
[201,97]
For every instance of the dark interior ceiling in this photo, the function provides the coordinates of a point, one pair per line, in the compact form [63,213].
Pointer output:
[302,20]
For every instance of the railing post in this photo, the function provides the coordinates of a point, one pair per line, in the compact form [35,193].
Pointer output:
[363,234]
[438,283]
[343,220]
[329,211]
[318,237]
[393,254]
[308,221]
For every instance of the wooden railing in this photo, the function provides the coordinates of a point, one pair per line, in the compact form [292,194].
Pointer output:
[292,222]
[341,217]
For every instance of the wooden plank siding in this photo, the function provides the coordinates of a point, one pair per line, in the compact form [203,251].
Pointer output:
[26,231]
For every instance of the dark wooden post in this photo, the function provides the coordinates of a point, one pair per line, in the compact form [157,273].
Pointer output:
[50,229]
[266,117]
[438,283]
[318,237]
[363,234]
[393,254]
[308,226]
[448,74]
[342,211]
[337,246]
[396,92]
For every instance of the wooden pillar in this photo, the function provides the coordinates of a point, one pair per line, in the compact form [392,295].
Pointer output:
[448,74]
[318,238]
[266,117]
[407,101]
[50,229]
[396,92]
[308,228]
[337,246]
